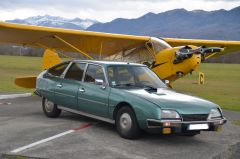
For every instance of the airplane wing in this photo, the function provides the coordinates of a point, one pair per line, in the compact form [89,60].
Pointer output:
[229,46]
[84,42]
[92,44]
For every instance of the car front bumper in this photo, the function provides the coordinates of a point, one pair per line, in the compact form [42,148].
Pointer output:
[171,126]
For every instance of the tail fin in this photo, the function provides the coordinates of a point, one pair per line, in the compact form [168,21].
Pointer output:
[50,58]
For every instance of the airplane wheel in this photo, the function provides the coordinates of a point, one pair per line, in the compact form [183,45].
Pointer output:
[50,109]
[126,123]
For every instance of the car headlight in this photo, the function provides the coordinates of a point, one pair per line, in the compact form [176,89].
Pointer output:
[170,115]
[214,114]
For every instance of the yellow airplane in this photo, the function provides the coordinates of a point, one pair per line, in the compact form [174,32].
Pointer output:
[169,58]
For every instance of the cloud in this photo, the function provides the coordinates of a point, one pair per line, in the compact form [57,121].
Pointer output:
[103,10]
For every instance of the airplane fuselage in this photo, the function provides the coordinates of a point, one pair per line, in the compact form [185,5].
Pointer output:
[166,67]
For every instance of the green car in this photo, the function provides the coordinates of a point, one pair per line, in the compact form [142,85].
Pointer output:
[129,95]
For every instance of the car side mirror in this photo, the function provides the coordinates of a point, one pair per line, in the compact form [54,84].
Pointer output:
[167,82]
[100,82]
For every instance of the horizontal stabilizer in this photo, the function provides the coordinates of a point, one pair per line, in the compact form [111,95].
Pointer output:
[26,82]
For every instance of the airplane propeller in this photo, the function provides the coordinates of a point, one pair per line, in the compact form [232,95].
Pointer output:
[187,52]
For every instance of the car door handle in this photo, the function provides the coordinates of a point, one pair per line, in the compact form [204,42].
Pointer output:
[59,85]
[82,90]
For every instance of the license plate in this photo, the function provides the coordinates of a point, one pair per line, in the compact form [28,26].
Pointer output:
[198,127]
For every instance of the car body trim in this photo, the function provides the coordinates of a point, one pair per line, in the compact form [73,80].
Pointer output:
[45,90]
[63,94]
[92,101]
[66,70]
[217,121]
[88,115]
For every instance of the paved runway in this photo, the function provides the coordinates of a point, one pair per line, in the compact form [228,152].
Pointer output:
[25,131]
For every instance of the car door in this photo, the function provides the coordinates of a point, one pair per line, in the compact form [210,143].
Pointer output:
[93,98]
[52,76]
[67,87]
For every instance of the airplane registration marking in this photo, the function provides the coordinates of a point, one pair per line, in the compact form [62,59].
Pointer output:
[87,125]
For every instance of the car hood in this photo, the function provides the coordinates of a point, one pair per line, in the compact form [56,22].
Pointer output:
[169,99]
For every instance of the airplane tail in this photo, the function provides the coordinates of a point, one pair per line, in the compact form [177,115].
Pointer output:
[50,58]
[26,81]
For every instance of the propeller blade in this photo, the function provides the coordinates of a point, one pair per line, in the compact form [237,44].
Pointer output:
[187,52]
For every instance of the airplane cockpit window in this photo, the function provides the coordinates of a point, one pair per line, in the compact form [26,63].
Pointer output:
[159,44]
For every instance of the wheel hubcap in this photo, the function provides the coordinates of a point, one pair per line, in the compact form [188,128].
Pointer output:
[49,105]
[125,121]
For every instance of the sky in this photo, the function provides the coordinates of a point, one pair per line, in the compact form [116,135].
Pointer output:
[104,10]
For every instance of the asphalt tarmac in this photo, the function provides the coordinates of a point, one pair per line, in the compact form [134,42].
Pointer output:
[25,131]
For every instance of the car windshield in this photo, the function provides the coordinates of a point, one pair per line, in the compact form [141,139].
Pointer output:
[127,76]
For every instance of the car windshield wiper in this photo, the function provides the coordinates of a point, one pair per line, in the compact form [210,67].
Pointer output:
[126,85]
[149,87]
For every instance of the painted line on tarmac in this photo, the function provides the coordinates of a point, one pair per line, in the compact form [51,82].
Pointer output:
[12,96]
[6,103]
[51,138]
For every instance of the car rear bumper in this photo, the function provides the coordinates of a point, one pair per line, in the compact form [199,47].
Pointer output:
[171,126]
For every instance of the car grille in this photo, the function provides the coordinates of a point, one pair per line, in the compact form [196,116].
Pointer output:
[194,117]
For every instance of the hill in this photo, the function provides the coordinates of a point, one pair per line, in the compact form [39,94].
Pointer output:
[180,23]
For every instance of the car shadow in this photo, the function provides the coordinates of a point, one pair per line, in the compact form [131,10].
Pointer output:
[145,137]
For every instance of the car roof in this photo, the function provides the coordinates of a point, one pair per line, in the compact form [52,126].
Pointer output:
[109,62]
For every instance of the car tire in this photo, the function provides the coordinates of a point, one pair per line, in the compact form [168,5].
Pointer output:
[126,123]
[50,109]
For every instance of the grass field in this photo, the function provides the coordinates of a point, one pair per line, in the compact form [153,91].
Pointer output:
[222,80]
[13,66]
[222,84]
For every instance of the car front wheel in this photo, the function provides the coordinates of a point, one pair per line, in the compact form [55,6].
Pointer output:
[50,109]
[126,123]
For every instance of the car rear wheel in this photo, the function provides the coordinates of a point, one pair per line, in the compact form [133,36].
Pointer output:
[50,109]
[126,123]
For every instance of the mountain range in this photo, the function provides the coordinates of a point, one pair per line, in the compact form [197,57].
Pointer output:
[178,23]
[58,22]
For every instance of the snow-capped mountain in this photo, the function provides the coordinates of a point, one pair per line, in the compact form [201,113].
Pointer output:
[54,21]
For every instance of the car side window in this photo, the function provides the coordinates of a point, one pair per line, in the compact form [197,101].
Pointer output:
[94,72]
[58,70]
[75,72]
